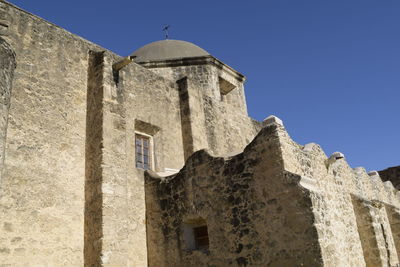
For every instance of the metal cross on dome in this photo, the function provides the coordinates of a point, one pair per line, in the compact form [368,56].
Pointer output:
[166,31]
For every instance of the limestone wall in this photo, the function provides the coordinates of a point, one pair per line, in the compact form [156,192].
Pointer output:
[276,204]
[42,190]
[257,214]
[7,66]
[346,202]
[391,174]
[71,195]
[71,190]
[141,102]
[152,107]
[93,230]
[120,104]
[222,121]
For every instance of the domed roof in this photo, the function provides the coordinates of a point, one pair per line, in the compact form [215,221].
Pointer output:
[168,49]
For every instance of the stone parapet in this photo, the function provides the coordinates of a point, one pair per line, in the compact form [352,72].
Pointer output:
[391,174]
[256,212]
[325,210]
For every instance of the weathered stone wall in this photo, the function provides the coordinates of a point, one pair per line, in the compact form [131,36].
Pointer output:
[42,190]
[391,174]
[135,100]
[121,103]
[115,207]
[71,195]
[205,74]
[220,123]
[7,66]
[60,151]
[338,215]
[152,107]
[93,217]
[393,214]
[257,214]
[334,187]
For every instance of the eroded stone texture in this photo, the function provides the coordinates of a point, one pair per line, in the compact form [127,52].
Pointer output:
[93,230]
[391,174]
[214,116]
[42,189]
[7,66]
[334,183]
[305,208]
[5,19]
[72,194]
[247,202]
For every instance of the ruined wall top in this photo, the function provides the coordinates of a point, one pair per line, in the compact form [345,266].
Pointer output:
[321,171]
[391,174]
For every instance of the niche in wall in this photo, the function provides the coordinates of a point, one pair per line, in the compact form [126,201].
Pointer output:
[195,234]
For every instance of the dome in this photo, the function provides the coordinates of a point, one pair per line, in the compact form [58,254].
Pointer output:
[168,49]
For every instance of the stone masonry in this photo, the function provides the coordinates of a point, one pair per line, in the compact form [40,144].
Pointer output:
[275,204]
[152,160]
[391,174]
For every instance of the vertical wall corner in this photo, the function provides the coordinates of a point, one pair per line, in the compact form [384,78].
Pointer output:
[93,158]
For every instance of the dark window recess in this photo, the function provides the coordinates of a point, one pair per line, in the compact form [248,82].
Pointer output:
[201,237]
[195,234]
[225,87]
[143,153]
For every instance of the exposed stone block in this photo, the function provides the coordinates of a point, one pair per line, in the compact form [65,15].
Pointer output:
[272,119]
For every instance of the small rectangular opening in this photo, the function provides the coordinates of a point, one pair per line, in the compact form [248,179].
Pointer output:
[201,236]
[225,87]
[195,234]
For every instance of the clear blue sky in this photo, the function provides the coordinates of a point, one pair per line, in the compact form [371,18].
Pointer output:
[329,69]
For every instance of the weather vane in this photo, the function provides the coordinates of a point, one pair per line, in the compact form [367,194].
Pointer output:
[166,31]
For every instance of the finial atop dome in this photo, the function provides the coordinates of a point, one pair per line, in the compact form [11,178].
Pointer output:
[165,29]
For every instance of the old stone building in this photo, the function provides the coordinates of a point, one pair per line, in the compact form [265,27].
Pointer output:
[152,160]
[391,174]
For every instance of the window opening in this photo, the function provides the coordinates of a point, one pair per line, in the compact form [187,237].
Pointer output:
[143,153]
[225,87]
[195,234]
[201,236]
